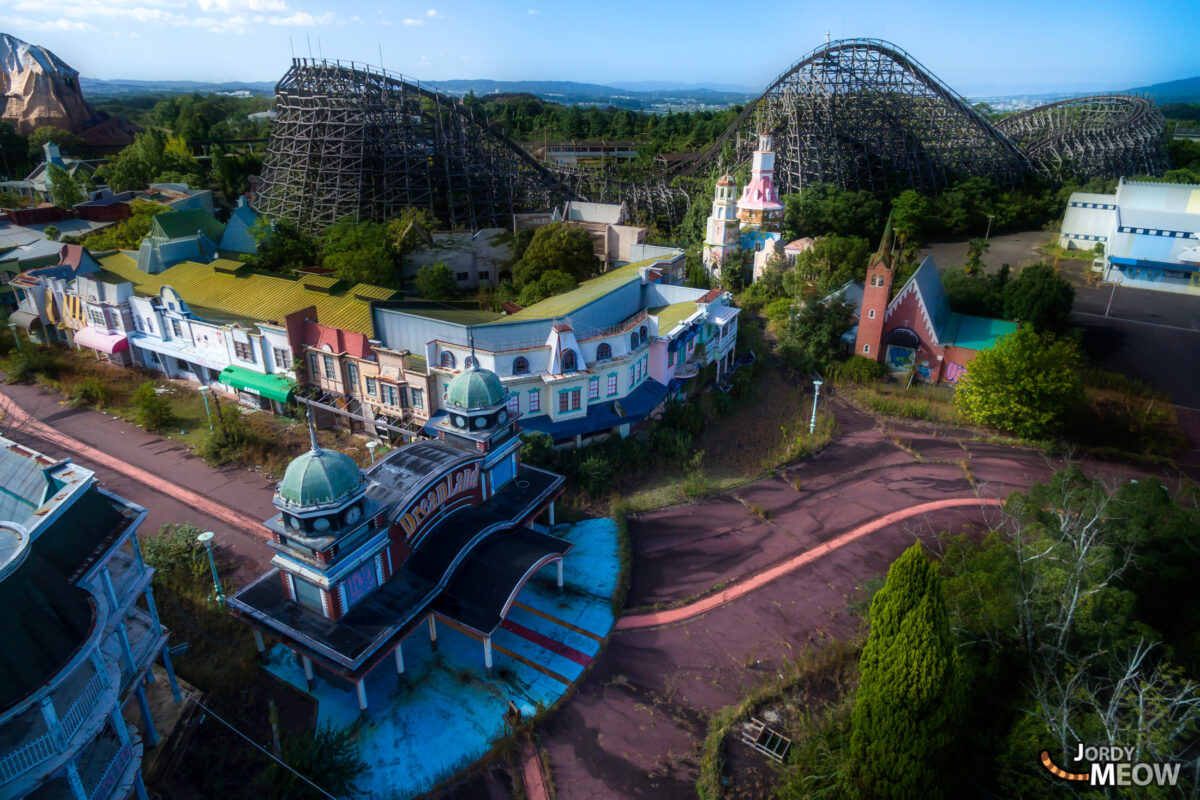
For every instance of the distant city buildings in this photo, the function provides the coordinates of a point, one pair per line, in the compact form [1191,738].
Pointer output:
[80,631]
[1148,234]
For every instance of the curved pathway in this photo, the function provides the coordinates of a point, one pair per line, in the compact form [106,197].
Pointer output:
[29,424]
[759,579]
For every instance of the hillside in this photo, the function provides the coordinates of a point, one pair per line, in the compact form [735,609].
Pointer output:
[1186,90]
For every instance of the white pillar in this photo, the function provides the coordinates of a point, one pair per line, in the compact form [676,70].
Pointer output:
[487,655]
[400,657]
[551,513]
[362,694]
[258,641]
[432,634]
[560,579]
[308,671]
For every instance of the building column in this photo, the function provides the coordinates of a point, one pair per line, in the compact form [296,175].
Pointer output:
[75,782]
[149,595]
[551,513]
[147,719]
[139,786]
[432,634]
[50,717]
[258,641]
[308,672]
[110,589]
[400,657]
[361,686]
[126,648]
[170,668]
[560,578]
[487,655]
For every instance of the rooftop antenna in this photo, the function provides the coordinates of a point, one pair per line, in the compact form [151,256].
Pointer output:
[474,361]
[312,429]
[308,39]
[320,52]
[291,47]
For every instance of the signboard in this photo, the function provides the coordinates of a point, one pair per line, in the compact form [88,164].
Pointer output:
[455,486]
[360,583]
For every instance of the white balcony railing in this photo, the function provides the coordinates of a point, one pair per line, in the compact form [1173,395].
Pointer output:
[112,773]
[35,751]
[81,707]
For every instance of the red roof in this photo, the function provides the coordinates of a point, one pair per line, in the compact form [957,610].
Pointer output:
[339,340]
[709,296]
[70,255]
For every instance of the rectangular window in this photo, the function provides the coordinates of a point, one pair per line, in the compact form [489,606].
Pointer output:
[462,276]
[313,371]
[564,403]
[445,390]
[371,387]
[612,384]
[242,350]
[632,372]
[281,357]
[593,388]
[308,594]
[97,317]
[514,405]
[418,398]
[670,358]
[575,393]
[352,376]
[483,276]
[177,328]
[390,395]
[535,400]
[328,367]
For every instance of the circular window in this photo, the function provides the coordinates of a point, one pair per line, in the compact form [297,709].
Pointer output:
[502,417]
[294,523]
[481,422]
[320,524]
[460,422]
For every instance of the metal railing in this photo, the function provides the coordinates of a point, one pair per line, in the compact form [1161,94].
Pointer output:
[82,706]
[35,751]
[112,772]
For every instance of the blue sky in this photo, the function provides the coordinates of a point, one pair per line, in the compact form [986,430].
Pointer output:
[976,47]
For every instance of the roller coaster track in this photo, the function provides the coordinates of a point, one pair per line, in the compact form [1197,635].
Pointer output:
[351,140]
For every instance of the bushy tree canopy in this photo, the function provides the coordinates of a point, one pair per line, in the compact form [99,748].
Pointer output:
[65,191]
[282,247]
[811,339]
[152,156]
[824,208]
[359,252]
[67,142]
[436,282]
[560,247]
[909,695]
[1026,384]
[1039,296]
[128,233]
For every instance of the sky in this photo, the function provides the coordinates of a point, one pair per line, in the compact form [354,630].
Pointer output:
[976,47]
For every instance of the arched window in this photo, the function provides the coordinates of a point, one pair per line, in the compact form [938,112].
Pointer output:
[643,333]
[633,341]
[448,359]
[471,362]
[568,361]
[603,351]
[520,365]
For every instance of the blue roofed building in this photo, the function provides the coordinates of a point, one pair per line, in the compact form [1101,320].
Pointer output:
[237,237]
[1150,233]
[179,236]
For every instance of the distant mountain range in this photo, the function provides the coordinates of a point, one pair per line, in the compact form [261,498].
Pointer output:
[1186,90]
[101,89]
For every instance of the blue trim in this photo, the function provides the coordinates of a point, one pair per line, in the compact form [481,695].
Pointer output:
[600,415]
[1136,262]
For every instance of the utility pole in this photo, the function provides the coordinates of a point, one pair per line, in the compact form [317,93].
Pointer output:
[989,227]
[812,425]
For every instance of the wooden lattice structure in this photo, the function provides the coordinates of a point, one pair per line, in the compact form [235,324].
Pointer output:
[770,743]
[351,141]
[1102,135]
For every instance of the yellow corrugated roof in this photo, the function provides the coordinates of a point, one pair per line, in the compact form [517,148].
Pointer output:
[250,294]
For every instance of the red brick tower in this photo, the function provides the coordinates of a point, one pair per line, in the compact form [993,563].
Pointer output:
[876,292]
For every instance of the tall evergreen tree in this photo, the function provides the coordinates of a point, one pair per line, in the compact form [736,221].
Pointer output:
[909,699]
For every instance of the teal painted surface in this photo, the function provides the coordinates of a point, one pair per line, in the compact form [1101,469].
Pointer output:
[475,388]
[980,333]
[442,714]
[319,476]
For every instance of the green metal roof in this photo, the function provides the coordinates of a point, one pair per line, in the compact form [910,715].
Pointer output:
[272,387]
[475,388]
[460,316]
[178,224]
[588,291]
[976,333]
[246,294]
[671,316]
[319,477]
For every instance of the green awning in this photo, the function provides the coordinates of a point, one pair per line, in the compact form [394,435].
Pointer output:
[272,387]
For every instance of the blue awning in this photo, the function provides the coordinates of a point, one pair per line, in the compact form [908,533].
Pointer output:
[850,336]
[602,416]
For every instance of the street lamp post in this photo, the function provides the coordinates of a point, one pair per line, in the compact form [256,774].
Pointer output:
[989,227]
[206,539]
[371,445]
[204,390]
[812,425]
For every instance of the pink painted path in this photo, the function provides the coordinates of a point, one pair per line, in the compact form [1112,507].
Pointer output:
[759,579]
[531,773]
[188,498]
[566,651]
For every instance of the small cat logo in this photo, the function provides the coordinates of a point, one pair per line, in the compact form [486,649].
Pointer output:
[1059,772]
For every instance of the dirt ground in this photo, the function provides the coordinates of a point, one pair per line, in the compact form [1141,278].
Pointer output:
[634,728]
[1015,249]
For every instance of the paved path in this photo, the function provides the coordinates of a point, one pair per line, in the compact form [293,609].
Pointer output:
[202,504]
[531,773]
[749,584]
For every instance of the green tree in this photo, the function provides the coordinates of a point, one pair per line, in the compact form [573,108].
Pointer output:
[824,208]
[811,339]
[909,705]
[128,233]
[557,247]
[1039,296]
[548,284]
[409,231]
[975,250]
[283,247]
[51,232]
[910,215]
[1026,384]
[231,171]
[153,409]
[359,252]
[830,262]
[67,142]
[65,191]
[436,282]
[330,758]
[151,157]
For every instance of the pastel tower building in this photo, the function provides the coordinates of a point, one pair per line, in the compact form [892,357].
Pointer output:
[759,206]
[721,237]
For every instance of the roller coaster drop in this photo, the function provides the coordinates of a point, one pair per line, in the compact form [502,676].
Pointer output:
[354,141]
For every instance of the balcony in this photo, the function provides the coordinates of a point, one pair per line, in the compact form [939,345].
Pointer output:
[107,769]
[145,640]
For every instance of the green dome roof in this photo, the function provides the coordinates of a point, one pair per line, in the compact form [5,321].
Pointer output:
[319,477]
[476,388]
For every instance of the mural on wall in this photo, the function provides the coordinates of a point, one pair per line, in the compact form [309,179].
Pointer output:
[954,371]
[924,371]
[900,359]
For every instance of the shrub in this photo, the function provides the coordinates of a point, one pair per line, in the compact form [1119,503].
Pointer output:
[90,391]
[695,479]
[537,449]
[858,369]
[153,410]
[596,473]
[330,758]
[175,554]
[31,361]
[227,442]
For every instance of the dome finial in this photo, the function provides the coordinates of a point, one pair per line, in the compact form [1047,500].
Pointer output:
[474,360]
[312,429]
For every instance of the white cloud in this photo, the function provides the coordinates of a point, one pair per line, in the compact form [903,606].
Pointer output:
[61,24]
[233,6]
[432,13]
[411,21]
[533,11]
[302,18]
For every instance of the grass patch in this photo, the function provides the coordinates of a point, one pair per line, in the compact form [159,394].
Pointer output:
[921,402]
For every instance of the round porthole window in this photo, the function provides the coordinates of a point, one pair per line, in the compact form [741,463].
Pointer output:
[321,524]
[294,523]
[481,422]
[460,422]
